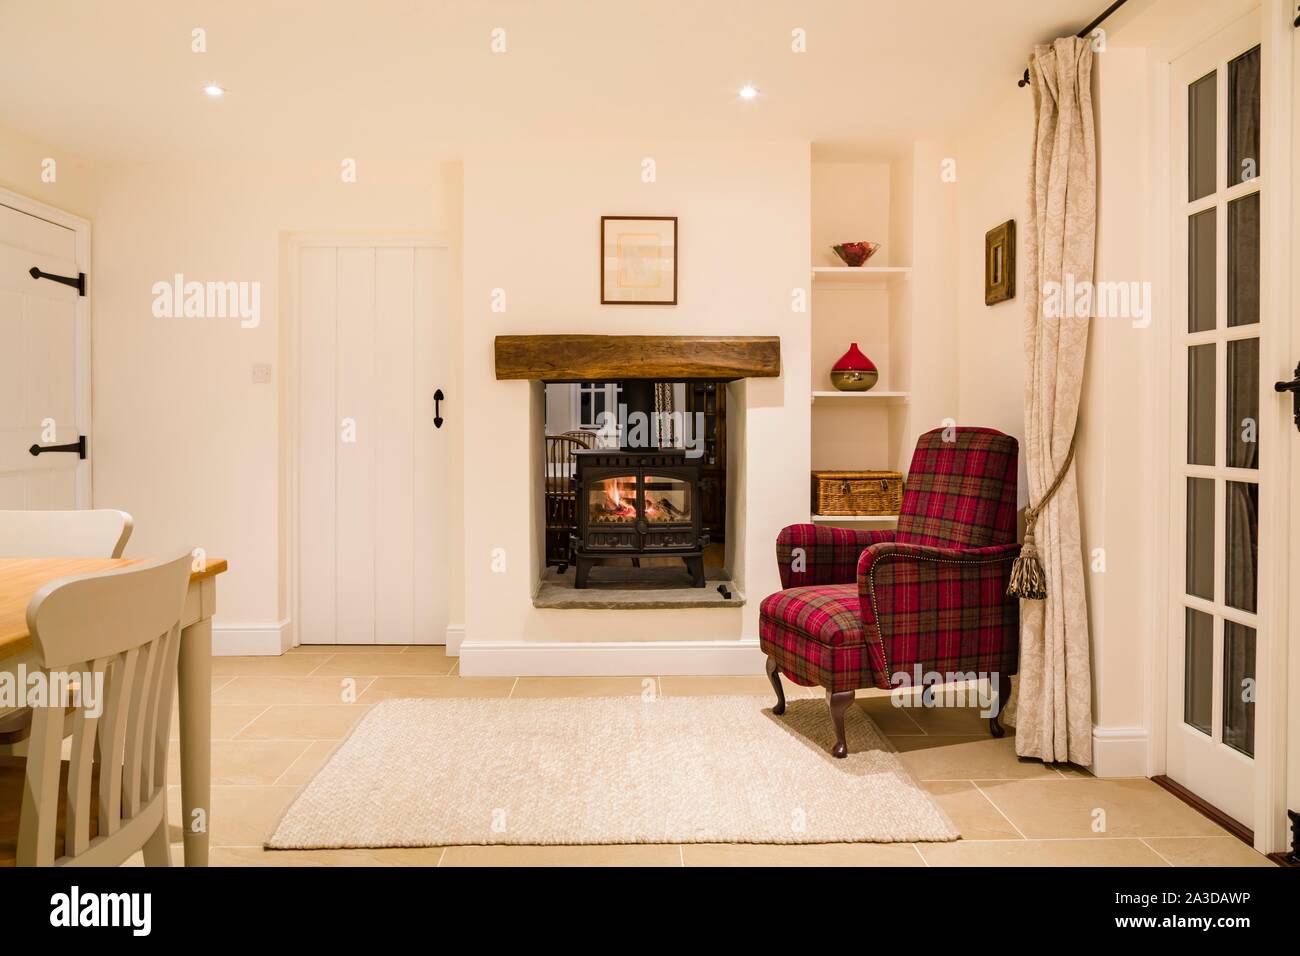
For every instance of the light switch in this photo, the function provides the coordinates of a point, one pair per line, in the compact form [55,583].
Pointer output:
[261,375]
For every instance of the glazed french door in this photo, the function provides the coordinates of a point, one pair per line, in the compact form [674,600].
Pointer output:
[1222,539]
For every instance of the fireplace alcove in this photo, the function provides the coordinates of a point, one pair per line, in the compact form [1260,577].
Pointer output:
[641,523]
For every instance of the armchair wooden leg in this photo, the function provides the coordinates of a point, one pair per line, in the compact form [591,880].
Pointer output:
[774,675]
[1001,687]
[839,703]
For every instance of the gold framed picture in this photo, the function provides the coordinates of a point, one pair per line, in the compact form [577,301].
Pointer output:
[638,260]
[1000,263]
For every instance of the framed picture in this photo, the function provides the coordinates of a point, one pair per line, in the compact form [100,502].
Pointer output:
[638,260]
[1000,263]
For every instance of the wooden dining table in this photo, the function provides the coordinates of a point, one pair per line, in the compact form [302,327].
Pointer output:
[20,578]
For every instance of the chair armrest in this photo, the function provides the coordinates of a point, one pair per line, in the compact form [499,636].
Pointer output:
[814,554]
[940,609]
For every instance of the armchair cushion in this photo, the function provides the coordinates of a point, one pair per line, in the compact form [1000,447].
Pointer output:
[816,636]
[940,609]
[829,555]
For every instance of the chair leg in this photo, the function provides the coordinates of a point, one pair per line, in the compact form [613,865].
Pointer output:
[1002,690]
[839,703]
[157,851]
[774,675]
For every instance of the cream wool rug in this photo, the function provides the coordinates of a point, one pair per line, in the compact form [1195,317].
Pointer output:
[607,770]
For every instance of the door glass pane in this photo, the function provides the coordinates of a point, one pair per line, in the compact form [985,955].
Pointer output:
[1240,546]
[1200,537]
[1243,404]
[1239,687]
[612,501]
[1243,117]
[1200,404]
[1201,97]
[1243,260]
[667,500]
[1200,271]
[1198,670]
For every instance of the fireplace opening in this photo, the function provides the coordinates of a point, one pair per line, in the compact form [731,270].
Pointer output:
[635,483]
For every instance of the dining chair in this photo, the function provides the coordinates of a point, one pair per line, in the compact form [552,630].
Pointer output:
[116,633]
[97,533]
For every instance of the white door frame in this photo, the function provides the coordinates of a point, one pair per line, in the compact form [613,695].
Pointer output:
[1276,632]
[291,374]
[81,229]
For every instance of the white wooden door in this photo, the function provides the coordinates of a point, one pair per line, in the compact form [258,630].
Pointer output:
[1225,544]
[372,552]
[44,359]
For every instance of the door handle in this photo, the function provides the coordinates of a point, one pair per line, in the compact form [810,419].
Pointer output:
[1293,387]
[437,408]
[78,282]
[78,446]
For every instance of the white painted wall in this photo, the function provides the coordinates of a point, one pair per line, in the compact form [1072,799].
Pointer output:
[1120,417]
[183,439]
[532,226]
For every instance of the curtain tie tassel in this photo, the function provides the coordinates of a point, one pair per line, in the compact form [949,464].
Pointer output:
[1027,577]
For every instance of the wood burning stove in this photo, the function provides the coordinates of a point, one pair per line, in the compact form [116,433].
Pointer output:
[637,503]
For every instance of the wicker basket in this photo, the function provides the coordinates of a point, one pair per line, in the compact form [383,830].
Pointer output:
[857,492]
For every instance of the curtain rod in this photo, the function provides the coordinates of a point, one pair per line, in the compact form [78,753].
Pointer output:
[1024,80]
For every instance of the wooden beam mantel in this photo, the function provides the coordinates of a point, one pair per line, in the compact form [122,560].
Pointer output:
[665,358]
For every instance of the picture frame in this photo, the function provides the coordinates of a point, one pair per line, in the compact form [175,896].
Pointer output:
[1000,263]
[638,260]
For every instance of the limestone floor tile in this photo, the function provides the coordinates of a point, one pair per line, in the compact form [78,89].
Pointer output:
[808,854]
[948,721]
[425,660]
[603,855]
[585,687]
[244,762]
[258,856]
[286,665]
[967,758]
[269,691]
[1207,851]
[301,771]
[348,649]
[748,686]
[240,816]
[385,688]
[1068,808]
[226,721]
[295,722]
[890,719]
[970,811]
[1040,853]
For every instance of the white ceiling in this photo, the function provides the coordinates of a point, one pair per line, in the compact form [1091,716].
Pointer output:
[117,79]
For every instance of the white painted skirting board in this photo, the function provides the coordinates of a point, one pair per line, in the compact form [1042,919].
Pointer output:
[1120,752]
[608,658]
[251,640]
[455,637]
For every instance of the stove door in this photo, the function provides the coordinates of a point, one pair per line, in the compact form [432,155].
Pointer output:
[667,500]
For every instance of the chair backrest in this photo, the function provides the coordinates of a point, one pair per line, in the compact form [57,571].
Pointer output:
[119,630]
[561,461]
[961,493]
[99,533]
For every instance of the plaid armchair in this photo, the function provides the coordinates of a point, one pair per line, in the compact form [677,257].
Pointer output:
[861,608]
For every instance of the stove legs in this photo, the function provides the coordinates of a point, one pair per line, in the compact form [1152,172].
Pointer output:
[695,566]
[581,568]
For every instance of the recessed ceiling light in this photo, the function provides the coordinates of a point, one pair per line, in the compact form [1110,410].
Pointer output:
[213,90]
[747,92]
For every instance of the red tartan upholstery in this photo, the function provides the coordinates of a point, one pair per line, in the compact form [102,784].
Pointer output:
[930,597]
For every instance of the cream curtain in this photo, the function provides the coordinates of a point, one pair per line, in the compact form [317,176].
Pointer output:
[1054,698]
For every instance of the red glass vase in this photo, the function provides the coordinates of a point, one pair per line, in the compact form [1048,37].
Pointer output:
[854,372]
